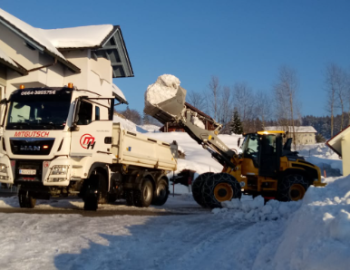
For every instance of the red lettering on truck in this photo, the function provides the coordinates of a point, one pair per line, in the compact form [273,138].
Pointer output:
[37,134]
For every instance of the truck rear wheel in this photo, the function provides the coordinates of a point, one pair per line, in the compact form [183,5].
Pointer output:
[197,187]
[144,196]
[292,187]
[161,194]
[220,187]
[26,199]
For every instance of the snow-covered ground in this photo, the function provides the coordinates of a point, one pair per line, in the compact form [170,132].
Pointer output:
[310,234]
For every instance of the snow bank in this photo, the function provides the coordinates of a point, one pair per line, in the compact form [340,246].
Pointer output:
[254,210]
[164,88]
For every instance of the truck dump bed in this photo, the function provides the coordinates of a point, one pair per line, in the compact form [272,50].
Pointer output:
[136,149]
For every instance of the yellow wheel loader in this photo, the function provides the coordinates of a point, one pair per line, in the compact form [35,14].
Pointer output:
[265,167]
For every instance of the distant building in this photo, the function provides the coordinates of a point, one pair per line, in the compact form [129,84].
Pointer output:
[303,134]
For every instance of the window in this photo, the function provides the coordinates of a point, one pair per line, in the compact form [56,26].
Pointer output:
[97,113]
[85,113]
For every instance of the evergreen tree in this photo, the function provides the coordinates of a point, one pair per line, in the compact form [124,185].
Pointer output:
[236,124]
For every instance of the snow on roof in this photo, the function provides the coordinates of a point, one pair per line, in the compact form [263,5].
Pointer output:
[336,142]
[6,58]
[300,129]
[35,33]
[78,37]
[118,92]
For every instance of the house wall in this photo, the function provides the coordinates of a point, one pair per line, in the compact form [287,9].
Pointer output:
[305,138]
[16,48]
[345,145]
[96,74]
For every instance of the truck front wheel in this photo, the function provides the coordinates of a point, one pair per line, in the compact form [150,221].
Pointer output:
[26,199]
[144,196]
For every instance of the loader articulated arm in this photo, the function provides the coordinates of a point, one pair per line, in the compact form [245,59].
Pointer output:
[207,138]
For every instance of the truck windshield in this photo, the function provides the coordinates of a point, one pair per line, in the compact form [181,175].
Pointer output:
[38,111]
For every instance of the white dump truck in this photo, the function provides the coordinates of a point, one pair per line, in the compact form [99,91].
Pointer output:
[59,141]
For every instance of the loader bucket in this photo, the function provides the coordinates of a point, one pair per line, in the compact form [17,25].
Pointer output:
[168,110]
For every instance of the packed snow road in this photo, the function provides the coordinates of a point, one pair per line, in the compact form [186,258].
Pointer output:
[180,235]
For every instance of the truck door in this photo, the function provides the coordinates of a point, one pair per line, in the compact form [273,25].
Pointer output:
[269,155]
[92,126]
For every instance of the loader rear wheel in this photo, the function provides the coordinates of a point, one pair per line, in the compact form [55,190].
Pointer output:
[144,196]
[161,193]
[197,186]
[220,187]
[26,199]
[292,187]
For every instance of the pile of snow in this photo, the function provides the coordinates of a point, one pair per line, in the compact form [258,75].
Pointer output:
[254,210]
[197,122]
[165,88]
[150,128]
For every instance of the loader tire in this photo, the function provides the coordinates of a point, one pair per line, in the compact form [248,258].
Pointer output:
[197,187]
[144,196]
[220,187]
[161,194]
[26,199]
[292,187]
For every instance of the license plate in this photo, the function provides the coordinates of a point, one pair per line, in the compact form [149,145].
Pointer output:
[27,172]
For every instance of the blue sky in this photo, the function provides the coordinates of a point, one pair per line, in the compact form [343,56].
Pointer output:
[237,41]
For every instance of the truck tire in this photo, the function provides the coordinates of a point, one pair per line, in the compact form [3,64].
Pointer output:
[292,187]
[144,196]
[26,199]
[220,187]
[91,203]
[129,197]
[197,186]
[162,192]
[95,191]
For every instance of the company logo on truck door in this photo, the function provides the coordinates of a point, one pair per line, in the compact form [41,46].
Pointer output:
[37,134]
[87,141]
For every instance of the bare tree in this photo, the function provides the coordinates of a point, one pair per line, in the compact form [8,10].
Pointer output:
[244,102]
[331,72]
[197,100]
[285,92]
[263,107]
[214,95]
[225,109]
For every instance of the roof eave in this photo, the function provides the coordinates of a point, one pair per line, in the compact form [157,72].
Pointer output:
[17,68]
[37,45]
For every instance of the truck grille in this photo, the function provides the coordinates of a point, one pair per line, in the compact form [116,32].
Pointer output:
[31,146]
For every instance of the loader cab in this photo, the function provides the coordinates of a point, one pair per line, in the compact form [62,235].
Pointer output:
[261,153]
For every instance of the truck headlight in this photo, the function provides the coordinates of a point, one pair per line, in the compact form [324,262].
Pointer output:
[59,169]
[3,168]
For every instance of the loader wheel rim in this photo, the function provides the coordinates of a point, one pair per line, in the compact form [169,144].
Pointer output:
[223,192]
[297,192]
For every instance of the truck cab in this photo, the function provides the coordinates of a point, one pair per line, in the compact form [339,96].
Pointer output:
[58,141]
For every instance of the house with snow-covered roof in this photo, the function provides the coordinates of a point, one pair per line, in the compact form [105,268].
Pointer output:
[303,134]
[90,57]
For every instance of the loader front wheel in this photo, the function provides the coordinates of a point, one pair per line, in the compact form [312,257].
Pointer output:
[292,187]
[197,187]
[220,187]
